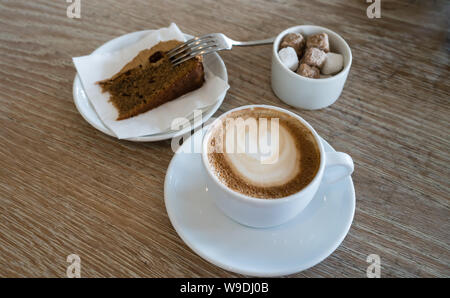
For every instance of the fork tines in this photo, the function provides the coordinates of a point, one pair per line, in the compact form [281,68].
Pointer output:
[194,47]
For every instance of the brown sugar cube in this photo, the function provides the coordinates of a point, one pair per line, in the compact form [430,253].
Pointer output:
[308,71]
[314,57]
[294,40]
[319,41]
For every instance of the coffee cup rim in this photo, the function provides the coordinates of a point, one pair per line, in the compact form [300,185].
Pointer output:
[295,29]
[256,200]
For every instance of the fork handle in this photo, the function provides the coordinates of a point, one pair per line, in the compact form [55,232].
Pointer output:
[253,43]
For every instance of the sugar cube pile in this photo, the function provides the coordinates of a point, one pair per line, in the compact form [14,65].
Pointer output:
[310,57]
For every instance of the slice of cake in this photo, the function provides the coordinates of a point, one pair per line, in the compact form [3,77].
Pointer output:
[150,80]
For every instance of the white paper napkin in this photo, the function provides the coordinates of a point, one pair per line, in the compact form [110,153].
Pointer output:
[97,67]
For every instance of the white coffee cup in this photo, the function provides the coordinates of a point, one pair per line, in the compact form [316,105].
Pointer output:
[303,92]
[261,213]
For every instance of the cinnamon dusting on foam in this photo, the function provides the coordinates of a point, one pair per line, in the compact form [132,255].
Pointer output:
[290,169]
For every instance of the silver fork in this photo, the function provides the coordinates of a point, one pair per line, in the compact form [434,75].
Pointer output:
[208,44]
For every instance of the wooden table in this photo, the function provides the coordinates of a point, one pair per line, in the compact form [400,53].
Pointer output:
[67,188]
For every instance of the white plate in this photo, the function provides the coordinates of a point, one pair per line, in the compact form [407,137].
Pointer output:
[297,245]
[212,61]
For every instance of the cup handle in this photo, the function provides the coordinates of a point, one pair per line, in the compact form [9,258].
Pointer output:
[338,166]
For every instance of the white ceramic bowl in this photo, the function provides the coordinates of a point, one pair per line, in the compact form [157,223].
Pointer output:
[307,93]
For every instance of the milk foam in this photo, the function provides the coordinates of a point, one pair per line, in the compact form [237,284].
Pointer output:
[265,158]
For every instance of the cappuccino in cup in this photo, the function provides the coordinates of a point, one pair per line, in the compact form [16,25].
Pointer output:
[264,164]
[262,153]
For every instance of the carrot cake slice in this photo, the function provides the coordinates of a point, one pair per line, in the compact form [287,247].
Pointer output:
[150,80]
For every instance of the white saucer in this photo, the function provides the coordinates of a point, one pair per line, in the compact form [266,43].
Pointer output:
[212,61]
[297,245]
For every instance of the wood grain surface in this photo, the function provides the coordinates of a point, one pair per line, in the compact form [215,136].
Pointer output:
[67,188]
